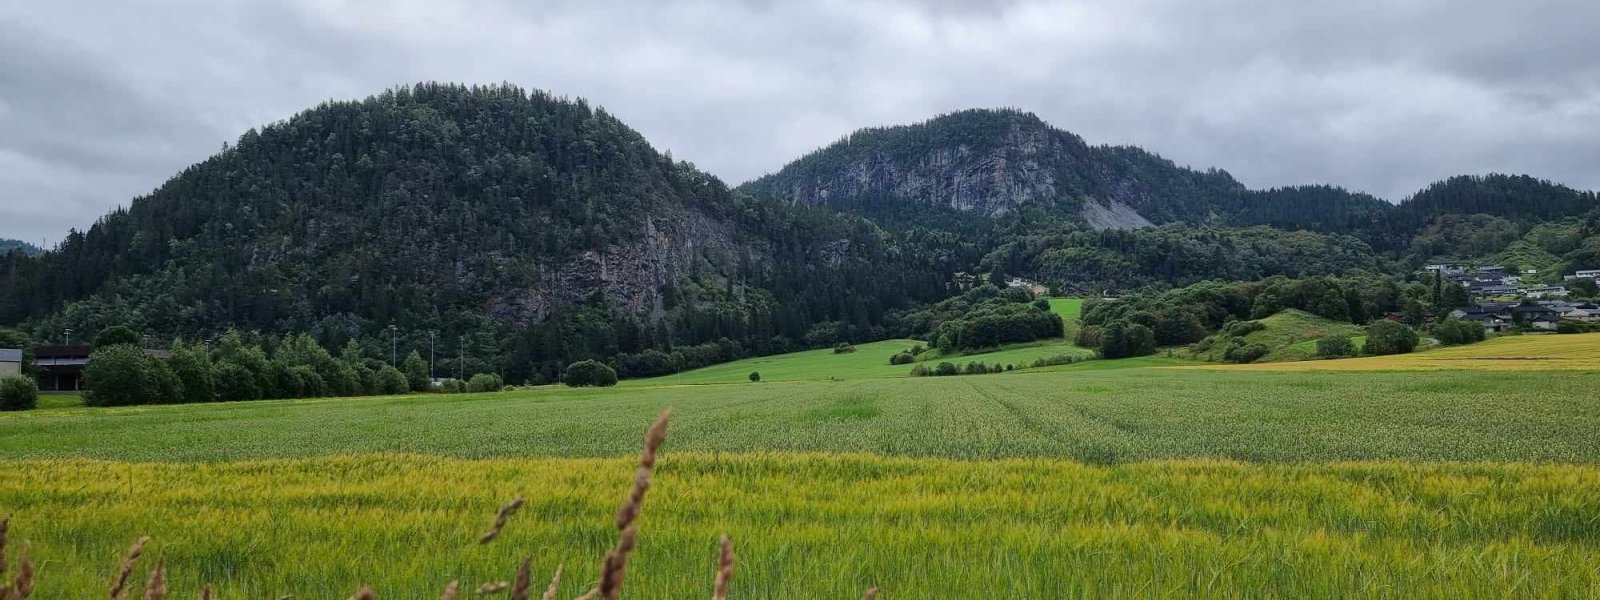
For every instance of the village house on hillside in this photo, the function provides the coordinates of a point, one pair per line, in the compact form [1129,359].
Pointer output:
[1543,315]
[1038,290]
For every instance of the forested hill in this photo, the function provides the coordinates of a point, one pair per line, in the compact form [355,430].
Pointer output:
[9,246]
[998,163]
[993,163]
[540,229]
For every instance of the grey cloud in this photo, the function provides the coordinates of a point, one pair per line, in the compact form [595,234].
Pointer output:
[103,101]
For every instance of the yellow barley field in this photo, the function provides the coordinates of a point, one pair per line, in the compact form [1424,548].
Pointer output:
[823,526]
[1516,353]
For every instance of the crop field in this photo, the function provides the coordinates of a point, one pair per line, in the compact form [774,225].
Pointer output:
[1508,353]
[868,361]
[1099,416]
[826,526]
[1098,479]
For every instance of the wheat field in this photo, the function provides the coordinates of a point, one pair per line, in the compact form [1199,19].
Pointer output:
[814,526]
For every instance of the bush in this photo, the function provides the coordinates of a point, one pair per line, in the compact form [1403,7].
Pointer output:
[1335,346]
[755,377]
[843,348]
[392,381]
[905,357]
[1386,337]
[18,393]
[160,385]
[115,376]
[486,382]
[453,386]
[234,382]
[1570,326]
[920,370]
[193,367]
[1244,328]
[1121,340]
[945,369]
[1452,332]
[1059,359]
[1245,353]
[1088,336]
[590,373]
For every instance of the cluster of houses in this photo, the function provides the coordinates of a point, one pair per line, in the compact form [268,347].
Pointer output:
[1495,280]
[965,281]
[1543,315]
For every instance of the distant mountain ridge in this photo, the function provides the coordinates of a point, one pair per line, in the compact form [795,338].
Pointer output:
[995,163]
[7,246]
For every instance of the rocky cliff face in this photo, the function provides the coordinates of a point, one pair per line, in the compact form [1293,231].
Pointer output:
[632,275]
[993,163]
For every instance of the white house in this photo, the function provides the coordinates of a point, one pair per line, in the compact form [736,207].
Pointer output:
[1589,274]
[10,362]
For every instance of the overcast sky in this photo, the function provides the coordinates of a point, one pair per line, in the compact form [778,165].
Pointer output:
[103,101]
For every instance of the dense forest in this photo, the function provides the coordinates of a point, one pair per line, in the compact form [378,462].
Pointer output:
[518,229]
[517,232]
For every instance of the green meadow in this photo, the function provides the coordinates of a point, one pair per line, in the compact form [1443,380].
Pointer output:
[1102,478]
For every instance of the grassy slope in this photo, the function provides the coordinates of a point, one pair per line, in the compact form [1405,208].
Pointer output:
[1078,412]
[1287,335]
[1579,352]
[869,361]
[821,526]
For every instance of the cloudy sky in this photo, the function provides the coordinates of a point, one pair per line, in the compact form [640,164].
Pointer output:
[103,101]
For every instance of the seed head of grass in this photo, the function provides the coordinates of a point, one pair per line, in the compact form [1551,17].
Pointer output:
[156,587]
[493,587]
[119,583]
[500,519]
[724,570]
[555,584]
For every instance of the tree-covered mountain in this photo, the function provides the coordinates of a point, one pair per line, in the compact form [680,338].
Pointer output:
[8,246]
[995,163]
[539,230]
[1002,163]
[521,232]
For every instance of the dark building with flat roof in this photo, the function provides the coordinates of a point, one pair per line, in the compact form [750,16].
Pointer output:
[60,368]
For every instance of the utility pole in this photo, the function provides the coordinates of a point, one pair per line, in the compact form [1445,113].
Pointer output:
[461,352]
[69,337]
[394,346]
[430,356]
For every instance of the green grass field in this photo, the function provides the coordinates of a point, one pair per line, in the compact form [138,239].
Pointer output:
[1099,415]
[1098,479]
[867,362]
